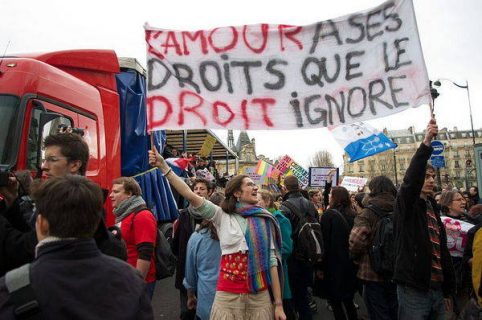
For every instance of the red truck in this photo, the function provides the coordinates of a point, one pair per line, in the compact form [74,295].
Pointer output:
[89,90]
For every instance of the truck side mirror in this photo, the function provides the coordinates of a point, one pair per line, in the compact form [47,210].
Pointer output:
[45,118]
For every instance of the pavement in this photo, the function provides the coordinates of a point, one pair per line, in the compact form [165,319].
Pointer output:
[165,303]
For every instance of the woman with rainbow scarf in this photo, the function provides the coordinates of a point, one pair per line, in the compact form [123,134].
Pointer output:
[250,242]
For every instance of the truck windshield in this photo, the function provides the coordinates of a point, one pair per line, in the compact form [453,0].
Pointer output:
[9,113]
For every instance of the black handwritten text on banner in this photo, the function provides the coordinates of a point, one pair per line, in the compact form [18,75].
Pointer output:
[361,66]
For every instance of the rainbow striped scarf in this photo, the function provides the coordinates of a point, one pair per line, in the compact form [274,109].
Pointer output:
[262,226]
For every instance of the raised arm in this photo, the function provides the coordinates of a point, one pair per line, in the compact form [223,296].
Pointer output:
[326,191]
[156,160]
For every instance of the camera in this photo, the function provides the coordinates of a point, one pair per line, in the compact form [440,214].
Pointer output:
[4,175]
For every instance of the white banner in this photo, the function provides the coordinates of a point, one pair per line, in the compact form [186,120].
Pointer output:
[456,235]
[319,176]
[352,184]
[266,76]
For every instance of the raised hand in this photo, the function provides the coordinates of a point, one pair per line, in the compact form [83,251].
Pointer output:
[431,133]
[156,160]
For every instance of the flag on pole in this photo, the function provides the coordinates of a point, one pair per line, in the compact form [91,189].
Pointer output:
[178,165]
[360,140]
[262,168]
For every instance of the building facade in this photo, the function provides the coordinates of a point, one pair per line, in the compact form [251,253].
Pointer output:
[459,170]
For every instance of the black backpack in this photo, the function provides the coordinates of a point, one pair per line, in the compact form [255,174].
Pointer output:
[382,250]
[164,259]
[308,239]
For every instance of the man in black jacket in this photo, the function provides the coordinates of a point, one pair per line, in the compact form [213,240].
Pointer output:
[423,269]
[301,275]
[70,278]
[64,154]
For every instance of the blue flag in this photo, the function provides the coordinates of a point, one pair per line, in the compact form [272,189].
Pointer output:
[360,140]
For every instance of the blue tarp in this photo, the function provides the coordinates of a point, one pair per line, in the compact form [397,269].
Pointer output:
[135,142]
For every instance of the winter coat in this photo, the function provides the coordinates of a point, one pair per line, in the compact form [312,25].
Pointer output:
[72,279]
[413,248]
[339,271]
[363,232]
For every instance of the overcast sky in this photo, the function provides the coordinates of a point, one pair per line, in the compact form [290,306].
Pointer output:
[450,33]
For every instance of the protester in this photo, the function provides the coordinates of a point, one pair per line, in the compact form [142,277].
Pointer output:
[64,153]
[474,215]
[452,204]
[317,199]
[327,190]
[300,274]
[357,202]
[250,245]
[184,227]
[379,292]
[339,272]
[17,239]
[202,269]
[138,227]
[266,200]
[474,195]
[70,278]
[423,267]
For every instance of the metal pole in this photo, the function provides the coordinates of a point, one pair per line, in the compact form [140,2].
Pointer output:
[184,140]
[395,166]
[227,162]
[470,111]
[439,179]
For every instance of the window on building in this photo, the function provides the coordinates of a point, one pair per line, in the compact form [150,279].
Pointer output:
[361,167]
[456,164]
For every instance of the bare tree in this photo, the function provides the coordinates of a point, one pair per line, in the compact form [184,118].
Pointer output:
[322,158]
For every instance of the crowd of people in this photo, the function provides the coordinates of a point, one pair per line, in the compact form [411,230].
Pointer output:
[242,252]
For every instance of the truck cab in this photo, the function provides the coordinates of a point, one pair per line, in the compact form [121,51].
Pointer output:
[81,89]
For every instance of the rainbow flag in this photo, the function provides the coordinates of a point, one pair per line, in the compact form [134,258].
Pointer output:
[264,169]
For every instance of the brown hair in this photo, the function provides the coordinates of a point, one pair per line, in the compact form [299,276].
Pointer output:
[72,205]
[291,183]
[72,146]
[130,185]
[208,184]
[229,203]
[267,197]
[340,199]
[312,192]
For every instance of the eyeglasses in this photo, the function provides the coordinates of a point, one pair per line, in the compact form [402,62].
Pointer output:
[53,159]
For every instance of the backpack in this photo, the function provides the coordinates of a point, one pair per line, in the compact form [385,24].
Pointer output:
[382,250]
[164,259]
[21,294]
[308,238]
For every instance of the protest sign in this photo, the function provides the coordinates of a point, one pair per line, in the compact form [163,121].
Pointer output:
[352,184]
[251,172]
[456,235]
[207,146]
[287,166]
[319,175]
[267,76]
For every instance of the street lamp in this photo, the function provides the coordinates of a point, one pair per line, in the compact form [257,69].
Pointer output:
[437,83]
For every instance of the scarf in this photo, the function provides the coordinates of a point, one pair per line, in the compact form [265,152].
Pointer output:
[127,206]
[260,229]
